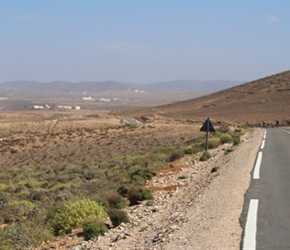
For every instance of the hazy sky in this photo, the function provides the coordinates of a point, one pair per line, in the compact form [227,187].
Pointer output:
[143,41]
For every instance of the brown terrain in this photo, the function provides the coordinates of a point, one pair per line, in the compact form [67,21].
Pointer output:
[255,102]
[50,138]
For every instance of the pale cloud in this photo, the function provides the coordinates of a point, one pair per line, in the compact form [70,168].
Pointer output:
[272,19]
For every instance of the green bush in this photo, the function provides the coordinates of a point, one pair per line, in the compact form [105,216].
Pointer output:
[214,169]
[24,235]
[143,229]
[138,180]
[229,151]
[225,138]
[213,142]
[123,190]
[139,174]
[94,228]
[143,172]
[175,155]
[2,186]
[146,194]
[19,209]
[236,139]
[163,150]
[115,200]
[6,242]
[73,214]
[136,194]
[133,194]
[205,156]
[193,149]
[118,216]
[239,131]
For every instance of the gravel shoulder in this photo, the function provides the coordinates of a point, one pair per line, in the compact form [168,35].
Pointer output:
[201,212]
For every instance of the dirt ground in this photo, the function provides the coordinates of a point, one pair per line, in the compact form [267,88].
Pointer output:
[201,210]
[48,139]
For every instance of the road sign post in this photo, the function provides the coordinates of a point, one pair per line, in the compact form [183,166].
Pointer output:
[207,127]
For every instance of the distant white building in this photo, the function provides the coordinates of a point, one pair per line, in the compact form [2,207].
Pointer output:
[64,107]
[105,100]
[89,98]
[137,90]
[77,107]
[36,107]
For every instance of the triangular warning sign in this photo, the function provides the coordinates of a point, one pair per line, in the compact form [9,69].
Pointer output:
[207,126]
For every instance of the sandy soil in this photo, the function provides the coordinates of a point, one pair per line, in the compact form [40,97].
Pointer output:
[200,211]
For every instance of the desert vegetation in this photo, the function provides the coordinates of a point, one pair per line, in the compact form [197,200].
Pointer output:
[61,172]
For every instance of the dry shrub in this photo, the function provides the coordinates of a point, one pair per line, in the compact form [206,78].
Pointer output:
[205,156]
[136,194]
[114,200]
[94,228]
[118,216]
[175,155]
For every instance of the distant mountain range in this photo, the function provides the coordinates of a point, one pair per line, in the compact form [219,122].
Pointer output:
[103,86]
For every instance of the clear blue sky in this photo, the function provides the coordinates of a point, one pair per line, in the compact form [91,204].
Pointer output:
[143,41]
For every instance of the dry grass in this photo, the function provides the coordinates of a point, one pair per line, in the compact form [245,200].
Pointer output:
[26,141]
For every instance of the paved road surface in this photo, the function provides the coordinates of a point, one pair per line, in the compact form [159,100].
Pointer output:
[131,121]
[266,215]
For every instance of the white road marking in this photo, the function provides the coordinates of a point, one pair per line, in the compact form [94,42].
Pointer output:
[256,174]
[249,241]
[262,144]
[265,133]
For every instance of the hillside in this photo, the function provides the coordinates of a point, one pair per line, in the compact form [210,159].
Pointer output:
[254,102]
[192,85]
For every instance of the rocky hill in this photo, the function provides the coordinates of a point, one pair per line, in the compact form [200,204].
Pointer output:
[192,85]
[258,101]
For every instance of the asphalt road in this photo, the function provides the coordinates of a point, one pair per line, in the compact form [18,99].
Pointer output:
[131,121]
[266,214]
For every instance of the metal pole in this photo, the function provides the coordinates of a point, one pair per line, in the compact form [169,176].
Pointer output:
[207,130]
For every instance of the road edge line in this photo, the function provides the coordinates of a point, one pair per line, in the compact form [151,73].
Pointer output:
[249,242]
